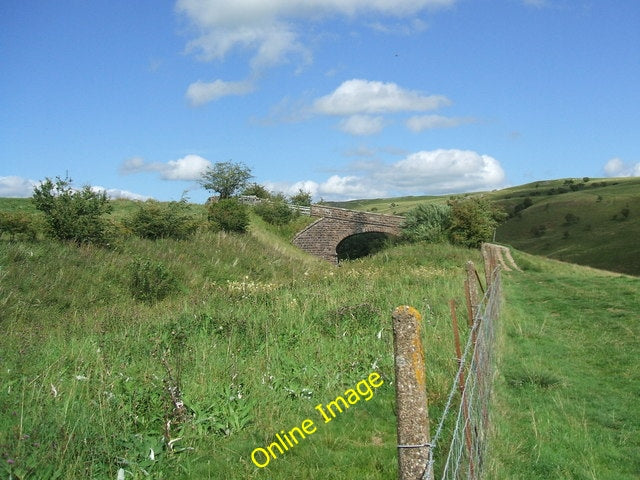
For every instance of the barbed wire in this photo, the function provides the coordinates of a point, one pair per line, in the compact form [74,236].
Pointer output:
[466,452]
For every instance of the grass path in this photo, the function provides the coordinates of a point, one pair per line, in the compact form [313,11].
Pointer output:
[567,403]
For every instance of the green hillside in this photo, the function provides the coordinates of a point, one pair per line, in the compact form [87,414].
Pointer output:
[594,222]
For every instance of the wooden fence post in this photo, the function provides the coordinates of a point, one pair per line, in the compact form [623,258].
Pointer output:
[411,394]
[471,292]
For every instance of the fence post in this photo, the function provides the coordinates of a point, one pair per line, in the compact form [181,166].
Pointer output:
[471,292]
[411,394]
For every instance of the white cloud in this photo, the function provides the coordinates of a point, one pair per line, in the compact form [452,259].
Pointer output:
[362,124]
[443,171]
[272,30]
[200,92]
[434,172]
[428,122]
[189,167]
[617,168]
[16,187]
[115,193]
[360,96]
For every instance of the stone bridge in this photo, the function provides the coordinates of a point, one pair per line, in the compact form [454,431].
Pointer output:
[323,236]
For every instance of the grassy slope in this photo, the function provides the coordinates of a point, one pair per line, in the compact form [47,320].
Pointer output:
[596,239]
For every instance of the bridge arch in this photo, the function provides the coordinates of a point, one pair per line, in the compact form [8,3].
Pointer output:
[322,237]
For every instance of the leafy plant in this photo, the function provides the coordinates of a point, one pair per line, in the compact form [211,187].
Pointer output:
[428,222]
[276,212]
[73,215]
[226,178]
[18,224]
[473,222]
[154,220]
[229,215]
[151,281]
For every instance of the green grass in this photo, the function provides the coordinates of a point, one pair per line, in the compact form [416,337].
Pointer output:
[567,404]
[256,335]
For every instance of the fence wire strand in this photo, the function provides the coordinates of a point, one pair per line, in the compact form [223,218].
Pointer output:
[466,451]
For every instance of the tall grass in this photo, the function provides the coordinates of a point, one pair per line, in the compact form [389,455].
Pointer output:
[254,337]
[566,403]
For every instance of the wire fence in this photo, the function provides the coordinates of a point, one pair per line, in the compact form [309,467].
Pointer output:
[469,397]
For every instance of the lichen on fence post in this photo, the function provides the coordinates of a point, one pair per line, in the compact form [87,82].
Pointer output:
[411,394]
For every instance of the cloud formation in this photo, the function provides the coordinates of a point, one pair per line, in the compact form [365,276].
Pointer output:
[363,102]
[16,187]
[115,193]
[617,168]
[272,30]
[435,172]
[199,93]
[190,167]
[360,96]
[429,122]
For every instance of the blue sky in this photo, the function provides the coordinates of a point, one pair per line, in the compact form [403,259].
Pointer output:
[343,98]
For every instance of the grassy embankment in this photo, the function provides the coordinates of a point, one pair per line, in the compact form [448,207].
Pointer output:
[259,334]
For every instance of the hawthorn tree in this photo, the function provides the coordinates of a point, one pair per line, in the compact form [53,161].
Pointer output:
[71,214]
[226,178]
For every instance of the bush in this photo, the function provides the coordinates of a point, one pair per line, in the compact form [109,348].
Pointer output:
[18,224]
[275,212]
[473,222]
[73,215]
[155,220]
[302,198]
[571,219]
[229,215]
[427,222]
[151,281]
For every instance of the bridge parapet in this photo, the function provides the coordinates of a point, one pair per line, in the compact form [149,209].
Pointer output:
[344,214]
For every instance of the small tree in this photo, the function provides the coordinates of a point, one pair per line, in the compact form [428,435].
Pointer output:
[226,178]
[302,198]
[257,190]
[75,215]
[473,222]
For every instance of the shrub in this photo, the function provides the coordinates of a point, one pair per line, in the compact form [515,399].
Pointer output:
[150,281]
[473,222]
[229,215]
[571,219]
[155,220]
[276,212]
[302,198]
[18,224]
[427,222]
[70,214]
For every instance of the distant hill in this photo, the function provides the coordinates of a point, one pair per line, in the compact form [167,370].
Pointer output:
[594,222]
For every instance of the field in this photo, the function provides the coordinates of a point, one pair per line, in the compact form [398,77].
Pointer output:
[258,334]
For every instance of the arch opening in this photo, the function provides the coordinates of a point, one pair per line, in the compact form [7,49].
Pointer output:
[363,244]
